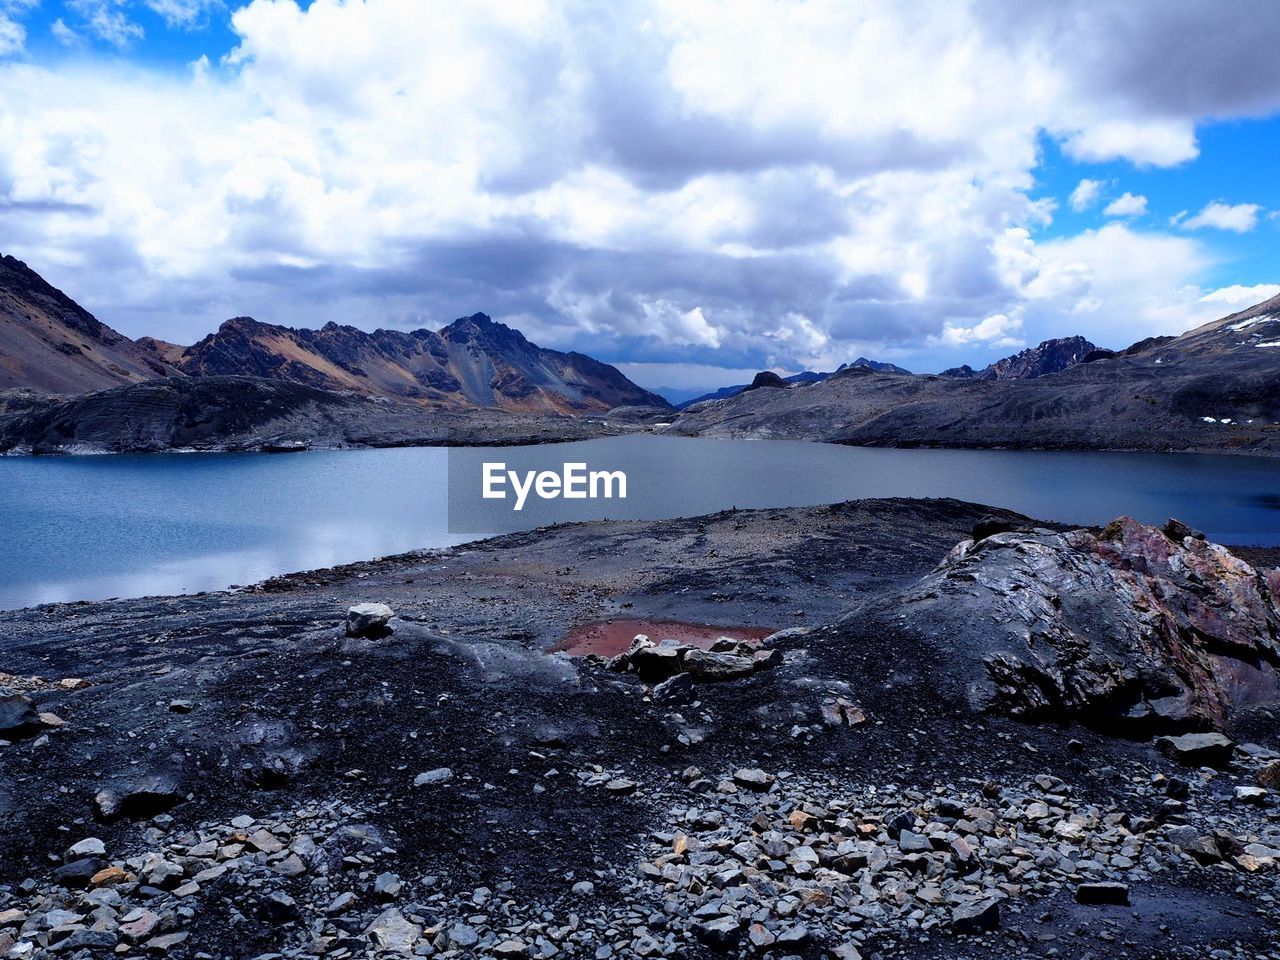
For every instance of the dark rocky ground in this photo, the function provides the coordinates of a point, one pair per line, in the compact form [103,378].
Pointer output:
[561,810]
[249,413]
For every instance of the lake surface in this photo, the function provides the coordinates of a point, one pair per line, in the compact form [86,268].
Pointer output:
[130,525]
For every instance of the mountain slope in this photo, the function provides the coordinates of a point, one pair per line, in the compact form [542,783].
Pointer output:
[48,342]
[472,362]
[1216,388]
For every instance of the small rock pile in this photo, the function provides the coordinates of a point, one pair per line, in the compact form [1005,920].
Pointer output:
[673,667]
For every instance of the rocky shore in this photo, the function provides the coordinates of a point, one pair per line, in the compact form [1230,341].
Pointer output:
[941,749]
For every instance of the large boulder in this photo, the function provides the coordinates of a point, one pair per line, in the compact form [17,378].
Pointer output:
[368,619]
[1142,628]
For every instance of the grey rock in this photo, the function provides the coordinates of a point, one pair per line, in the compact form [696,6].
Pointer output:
[432,777]
[1198,749]
[365,619]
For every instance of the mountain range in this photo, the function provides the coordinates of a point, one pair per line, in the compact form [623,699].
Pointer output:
[1215,388]
[50,344]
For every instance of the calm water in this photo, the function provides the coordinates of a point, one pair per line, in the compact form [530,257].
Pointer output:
[96,527]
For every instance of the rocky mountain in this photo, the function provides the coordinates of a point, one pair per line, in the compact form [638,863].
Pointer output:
[473,362]
[1051,356]
[805,376]
[49,343]
[1216,388]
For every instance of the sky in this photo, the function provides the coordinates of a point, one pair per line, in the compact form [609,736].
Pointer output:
[691,190]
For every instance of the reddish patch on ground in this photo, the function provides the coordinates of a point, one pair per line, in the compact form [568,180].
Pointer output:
[608,638]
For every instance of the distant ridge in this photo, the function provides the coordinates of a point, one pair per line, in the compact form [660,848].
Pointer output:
[805,376]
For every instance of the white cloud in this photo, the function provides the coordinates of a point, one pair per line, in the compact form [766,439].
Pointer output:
[996,330]
[13,35]
[645,179]
[1085,195]
[1155,142]
[1239,218]
[64,34]
[1239,296]
[1126,205]
[108,21]
[182,13]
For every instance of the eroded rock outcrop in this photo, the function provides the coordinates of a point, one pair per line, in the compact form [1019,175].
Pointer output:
[1145,628]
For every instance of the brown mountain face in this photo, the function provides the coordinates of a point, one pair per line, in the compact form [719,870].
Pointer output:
[472,362]
[50,343]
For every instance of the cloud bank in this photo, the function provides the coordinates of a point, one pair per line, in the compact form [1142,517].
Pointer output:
[747,185]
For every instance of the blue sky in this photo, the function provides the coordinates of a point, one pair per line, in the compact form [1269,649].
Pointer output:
[690,194]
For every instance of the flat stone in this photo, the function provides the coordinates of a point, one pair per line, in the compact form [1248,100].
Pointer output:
[753,778]
[390,932]
[266,841]
[108,877]
[1198,749]
[707,666]
[438,775]
[89,847]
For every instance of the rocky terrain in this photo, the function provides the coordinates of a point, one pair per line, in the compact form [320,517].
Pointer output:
[1050,356]
[1214,389]
[252,413]
[387,758]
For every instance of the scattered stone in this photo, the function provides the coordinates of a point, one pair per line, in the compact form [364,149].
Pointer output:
[431,777]
[621,786]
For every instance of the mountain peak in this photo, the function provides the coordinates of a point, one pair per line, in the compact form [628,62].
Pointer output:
[1049,356]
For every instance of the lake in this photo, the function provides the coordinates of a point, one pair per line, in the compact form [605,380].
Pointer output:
[131,525]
